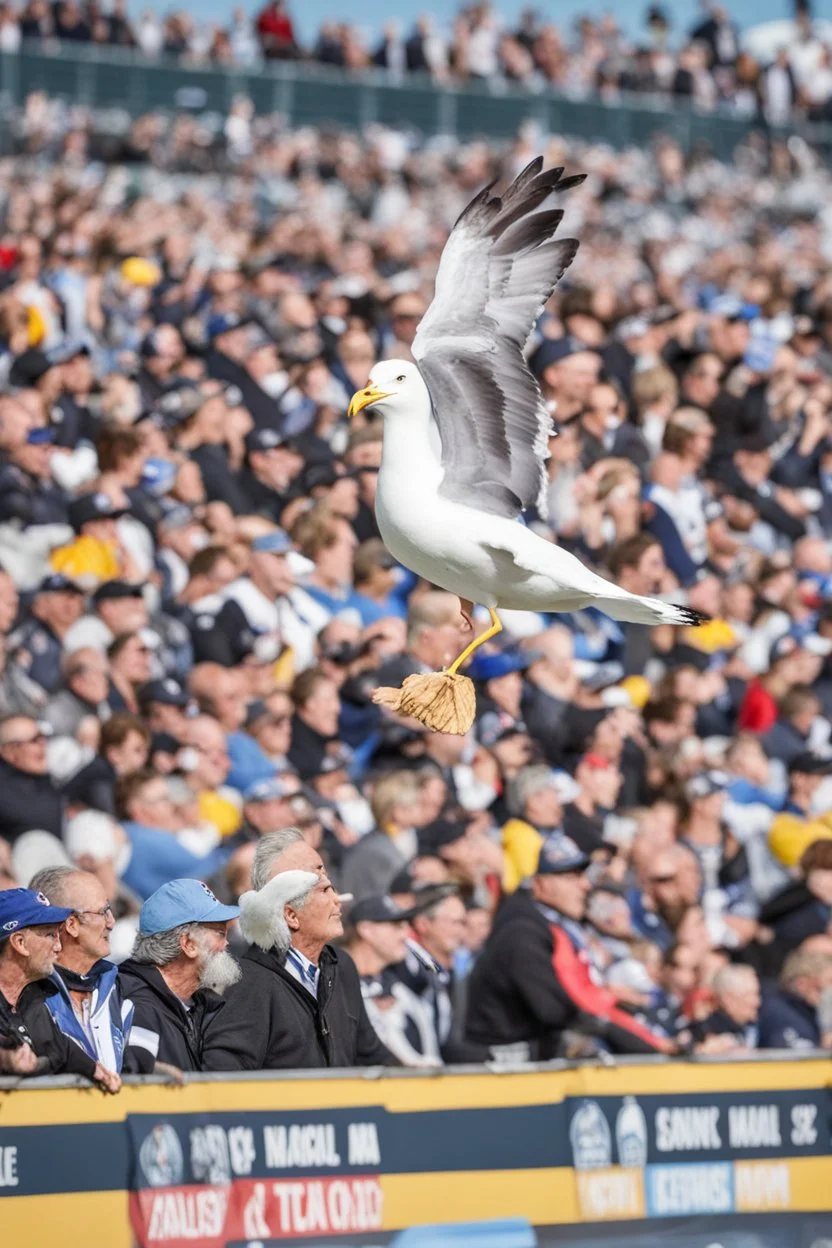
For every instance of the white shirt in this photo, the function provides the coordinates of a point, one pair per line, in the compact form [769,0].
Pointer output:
[301,969]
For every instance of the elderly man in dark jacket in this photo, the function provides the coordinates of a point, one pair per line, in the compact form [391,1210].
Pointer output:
[299,1001]
[175,977]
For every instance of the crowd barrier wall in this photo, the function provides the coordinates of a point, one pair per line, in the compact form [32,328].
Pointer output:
[306,94]
[683,1154]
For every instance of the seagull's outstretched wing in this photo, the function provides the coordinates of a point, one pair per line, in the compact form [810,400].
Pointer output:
[498,269]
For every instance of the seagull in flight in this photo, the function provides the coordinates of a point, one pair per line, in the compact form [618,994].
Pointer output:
[466,429]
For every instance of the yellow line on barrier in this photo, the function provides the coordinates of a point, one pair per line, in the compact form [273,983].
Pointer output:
[541,1196]
[446,1092]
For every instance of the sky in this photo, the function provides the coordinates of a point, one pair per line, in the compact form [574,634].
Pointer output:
[370,14]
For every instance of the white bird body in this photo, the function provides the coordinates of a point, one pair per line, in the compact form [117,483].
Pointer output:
[466,430]
[483,557]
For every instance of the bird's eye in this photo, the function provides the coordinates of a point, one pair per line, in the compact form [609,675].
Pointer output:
[402,378]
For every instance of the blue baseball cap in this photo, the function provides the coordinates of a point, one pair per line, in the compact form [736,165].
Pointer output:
[158,476]
[490,666]
[559,854]
[276,543]
[732,308]
[23,907]
[221,323]
[43,435]
[182,901]
[268,790]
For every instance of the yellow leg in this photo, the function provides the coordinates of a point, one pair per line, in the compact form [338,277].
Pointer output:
[495,628]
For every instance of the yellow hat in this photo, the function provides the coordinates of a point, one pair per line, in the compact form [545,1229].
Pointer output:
[140,272]
[35,326]
[638,689]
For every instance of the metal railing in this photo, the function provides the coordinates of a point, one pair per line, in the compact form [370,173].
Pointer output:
[308,94]
[372,1074]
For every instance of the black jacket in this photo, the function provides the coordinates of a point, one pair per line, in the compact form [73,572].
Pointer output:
[31,1023]
[163,1030]
[94,785]
[270,1022]
[29,801]
[788,1021]
[531,983]
[721,1024]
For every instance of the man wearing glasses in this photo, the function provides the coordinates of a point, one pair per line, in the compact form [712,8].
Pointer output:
[88,1006]
[30,943]
[30,799]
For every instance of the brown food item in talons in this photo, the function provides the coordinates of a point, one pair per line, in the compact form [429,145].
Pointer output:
[443,701]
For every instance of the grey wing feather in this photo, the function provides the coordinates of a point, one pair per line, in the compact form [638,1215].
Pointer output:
[498,269]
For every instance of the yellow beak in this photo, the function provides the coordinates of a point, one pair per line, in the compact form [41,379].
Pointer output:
[363,398]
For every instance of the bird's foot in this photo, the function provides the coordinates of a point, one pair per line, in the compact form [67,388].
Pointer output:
[466,610]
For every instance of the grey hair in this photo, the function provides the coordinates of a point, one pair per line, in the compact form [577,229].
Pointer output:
[262,911]
[269,849]
[526,783]
[160,948]
[802,963]
[733,978]
[52,882]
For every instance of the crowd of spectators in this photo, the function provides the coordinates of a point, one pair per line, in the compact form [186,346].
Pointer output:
[707,66]
[632,849]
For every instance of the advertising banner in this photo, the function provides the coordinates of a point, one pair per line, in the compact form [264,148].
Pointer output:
[672,1156]
[686,1155]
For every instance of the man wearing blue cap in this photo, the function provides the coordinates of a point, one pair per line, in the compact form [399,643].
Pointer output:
[534,979]
[175,977]
[30,942]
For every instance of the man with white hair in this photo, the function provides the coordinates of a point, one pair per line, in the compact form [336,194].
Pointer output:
[175,977]
[298,1003]
[733,1024]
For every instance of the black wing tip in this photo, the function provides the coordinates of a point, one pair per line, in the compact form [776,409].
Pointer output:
[691,618]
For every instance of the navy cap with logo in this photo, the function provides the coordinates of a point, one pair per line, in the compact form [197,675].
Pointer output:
[57,584]
[97,506]
[182,901]
[168,692]
[263,440]
[380,909]
[553,350]
[705,784]
[23,907]
[559,855]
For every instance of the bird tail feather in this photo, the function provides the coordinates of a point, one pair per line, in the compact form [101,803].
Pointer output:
[652,611]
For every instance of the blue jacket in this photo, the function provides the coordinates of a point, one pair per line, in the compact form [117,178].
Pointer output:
[788,1022]
[158,857]
[110,1016]
[249,764]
